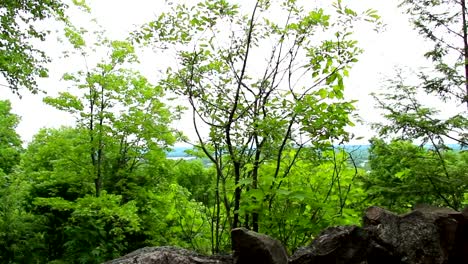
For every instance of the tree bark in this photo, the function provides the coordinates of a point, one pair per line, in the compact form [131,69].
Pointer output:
[465,49]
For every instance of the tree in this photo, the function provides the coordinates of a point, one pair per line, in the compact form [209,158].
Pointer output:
[56,166]
[192,175]
[56,161]
[444,23]
[20,61]
[408,112]
[90,182]
[21,237]
[260,86]
[410,119]
[17,225]
[96,228]
[10,142]
[142,207]
[176,219]
[118,107]
[403,175]
[319,192]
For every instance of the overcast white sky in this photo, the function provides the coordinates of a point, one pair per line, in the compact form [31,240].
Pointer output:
[399,45]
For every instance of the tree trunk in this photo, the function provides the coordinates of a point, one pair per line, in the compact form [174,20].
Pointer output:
[100,154]
[218,208]
[237,195]
[255,186]
[465,49]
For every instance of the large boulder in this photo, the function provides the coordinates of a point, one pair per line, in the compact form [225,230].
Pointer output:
[168,255]
[343,244]
[426,235]
[254,248]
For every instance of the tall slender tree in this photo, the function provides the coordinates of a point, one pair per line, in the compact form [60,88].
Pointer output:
[260,86]
[10,142]
[119,108]
[444,23]
[410,116]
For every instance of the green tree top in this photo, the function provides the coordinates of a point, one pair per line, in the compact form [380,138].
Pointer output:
[444,23]
[10,142]
[20,61]
[117,106]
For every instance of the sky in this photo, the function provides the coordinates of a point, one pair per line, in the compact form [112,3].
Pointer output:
[397,46]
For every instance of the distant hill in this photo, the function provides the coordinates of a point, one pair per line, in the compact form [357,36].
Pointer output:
[178,152]
[357,150]
[360,153]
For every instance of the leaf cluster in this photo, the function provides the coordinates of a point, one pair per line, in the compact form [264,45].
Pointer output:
[20,61]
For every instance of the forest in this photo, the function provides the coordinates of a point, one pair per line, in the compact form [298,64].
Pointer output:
[262,87]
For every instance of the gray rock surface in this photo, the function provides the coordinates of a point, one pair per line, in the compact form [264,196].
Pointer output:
[343,244]
[427,235]
[168,255]
[254,248]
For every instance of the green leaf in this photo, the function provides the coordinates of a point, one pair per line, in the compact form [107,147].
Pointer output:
[323,93]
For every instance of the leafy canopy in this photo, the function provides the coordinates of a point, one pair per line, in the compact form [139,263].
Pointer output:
[20,61]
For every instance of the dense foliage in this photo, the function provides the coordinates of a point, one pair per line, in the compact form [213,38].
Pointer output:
[271,152]
[20,61]
[403,174]
[435,171]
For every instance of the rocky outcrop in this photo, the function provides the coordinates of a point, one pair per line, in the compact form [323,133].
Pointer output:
[427,235]
[252,247]
[348,244]
[169,255]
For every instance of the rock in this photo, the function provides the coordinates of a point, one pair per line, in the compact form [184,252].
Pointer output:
[343,244]
[460,251]
[168,255]
[251,247]
[426,235]
[334,245]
